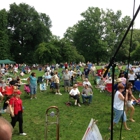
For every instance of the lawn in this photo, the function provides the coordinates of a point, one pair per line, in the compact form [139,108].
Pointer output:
[73,120]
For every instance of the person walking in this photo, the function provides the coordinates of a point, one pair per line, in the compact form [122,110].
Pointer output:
[129,106]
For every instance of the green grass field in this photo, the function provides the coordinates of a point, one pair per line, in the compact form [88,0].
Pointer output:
[73,120]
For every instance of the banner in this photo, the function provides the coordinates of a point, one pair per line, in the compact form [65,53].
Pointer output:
[92,132]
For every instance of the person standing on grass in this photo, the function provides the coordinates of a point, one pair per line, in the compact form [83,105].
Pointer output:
[93,70]
[56,80]
[16,113]
[67,78]
[86,72]
[119,102]
[32,81]
[5,129]
[130,97]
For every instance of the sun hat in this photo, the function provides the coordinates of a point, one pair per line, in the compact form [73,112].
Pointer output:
[119,80]
[109,78]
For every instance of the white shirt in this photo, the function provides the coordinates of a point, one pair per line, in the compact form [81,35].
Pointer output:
[74,92]
[86,82]
[131,76]
[118,103]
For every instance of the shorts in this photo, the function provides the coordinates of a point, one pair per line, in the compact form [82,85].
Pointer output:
[56,85]
[118,115]
[66,83]
[129,103]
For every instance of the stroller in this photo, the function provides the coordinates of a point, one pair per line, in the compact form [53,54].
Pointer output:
[27,89]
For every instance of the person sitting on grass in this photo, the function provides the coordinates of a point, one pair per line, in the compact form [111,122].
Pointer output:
[87,93]
[75,93]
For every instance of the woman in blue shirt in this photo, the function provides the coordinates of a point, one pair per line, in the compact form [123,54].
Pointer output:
[32,80]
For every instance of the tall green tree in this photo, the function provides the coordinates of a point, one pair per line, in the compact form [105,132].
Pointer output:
[115,28]
[28,29]
[98,35]
[88,37]
[56,51]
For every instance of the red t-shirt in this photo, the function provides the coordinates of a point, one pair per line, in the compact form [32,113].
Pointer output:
[66,65]
[17,103]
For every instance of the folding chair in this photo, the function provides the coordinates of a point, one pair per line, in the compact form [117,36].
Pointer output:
[137,85]
[108,87]
[39,79]
[99,72]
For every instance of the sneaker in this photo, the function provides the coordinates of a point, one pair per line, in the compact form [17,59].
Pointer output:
[31,98]
[23,134]
[35,97]
[79,105]
[56,93]
[59,93]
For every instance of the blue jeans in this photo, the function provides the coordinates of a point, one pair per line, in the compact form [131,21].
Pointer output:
[33,89]
[84,96]
[118,115]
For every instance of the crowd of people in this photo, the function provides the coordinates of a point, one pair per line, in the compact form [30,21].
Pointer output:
[123,88]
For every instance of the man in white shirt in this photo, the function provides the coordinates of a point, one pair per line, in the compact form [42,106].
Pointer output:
[67,79]
[86,81]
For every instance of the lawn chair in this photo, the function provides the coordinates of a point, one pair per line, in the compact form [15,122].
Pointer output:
[40,79]
[52,117]
[43,86]
[99,72]
[137,85]
[108,87]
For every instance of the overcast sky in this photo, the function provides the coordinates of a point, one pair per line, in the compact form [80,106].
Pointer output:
[66,13]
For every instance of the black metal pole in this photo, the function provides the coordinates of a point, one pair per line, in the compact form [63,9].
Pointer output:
[112,101]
